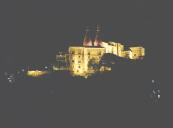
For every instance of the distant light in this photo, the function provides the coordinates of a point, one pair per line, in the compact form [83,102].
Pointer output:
[153,81]
[154,92]
[36,73]
[158,96]
[11,81]
[46,67]
[11,76]
[23,70]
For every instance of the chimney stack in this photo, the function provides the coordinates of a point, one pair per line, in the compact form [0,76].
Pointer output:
[98,40]
[87,40]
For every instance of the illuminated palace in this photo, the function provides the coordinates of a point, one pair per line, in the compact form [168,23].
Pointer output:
[85,60]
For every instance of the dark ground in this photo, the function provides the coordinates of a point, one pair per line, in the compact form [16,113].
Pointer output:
[117,98]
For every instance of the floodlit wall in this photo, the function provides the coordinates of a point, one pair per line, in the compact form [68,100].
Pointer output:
[118,49]
[136,52]
[113,48]
[62,62]
[82,58]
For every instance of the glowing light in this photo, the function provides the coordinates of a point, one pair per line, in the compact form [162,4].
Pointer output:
[36,73]
[158,96]
[153,81]
[104,68]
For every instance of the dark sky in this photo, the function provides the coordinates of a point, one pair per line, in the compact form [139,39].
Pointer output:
[34,31]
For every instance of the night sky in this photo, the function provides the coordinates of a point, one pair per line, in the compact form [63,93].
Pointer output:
[33,31]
